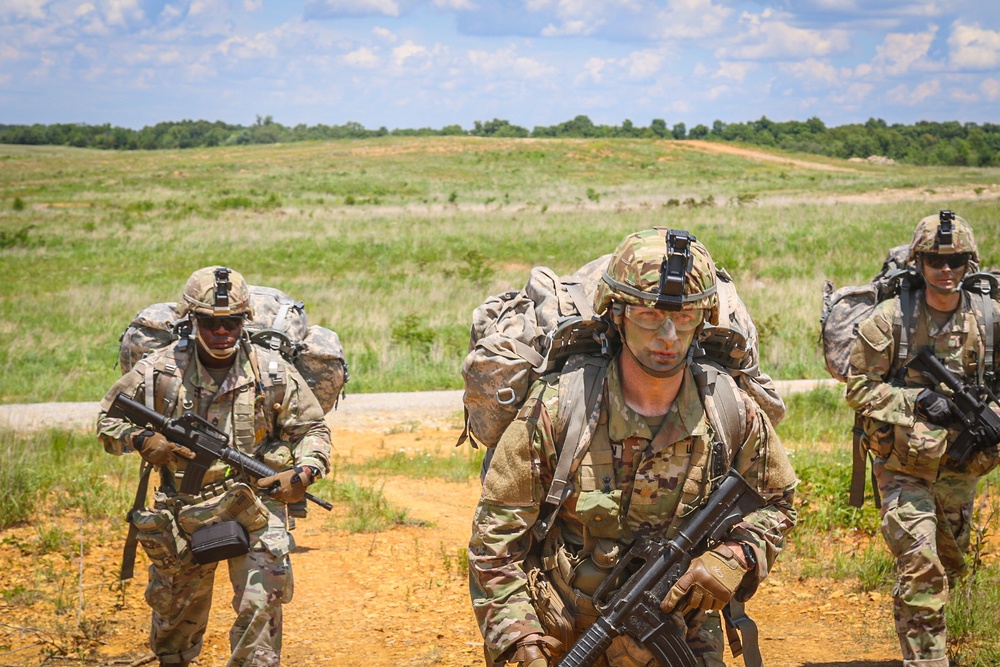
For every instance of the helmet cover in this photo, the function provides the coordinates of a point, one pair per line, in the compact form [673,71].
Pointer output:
[216,291]
[943,234]
[660,268]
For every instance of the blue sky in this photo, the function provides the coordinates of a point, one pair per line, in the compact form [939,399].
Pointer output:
[431,63]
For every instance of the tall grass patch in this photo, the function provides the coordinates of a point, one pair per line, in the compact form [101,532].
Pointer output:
[398,273]
[53,472]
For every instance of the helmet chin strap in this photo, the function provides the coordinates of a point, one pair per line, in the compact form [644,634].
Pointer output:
[935,288]
[221,355]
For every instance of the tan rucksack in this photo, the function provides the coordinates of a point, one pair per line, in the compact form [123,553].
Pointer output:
[279,323]
[519,336]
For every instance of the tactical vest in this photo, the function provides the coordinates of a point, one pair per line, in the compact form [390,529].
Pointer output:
[163,380]
[588,453]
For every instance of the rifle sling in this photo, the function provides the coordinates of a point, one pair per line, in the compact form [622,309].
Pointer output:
[739,624]
[132,539]
[856,498]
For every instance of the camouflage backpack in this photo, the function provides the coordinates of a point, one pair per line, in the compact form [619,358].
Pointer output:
[844,309]
[279,323]
[519,336]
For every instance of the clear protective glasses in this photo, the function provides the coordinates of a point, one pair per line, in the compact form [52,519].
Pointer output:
[938,262]
[652,319]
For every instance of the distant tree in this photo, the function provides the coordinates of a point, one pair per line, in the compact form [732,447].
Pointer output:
[698,132]
[659,127]
[679,131]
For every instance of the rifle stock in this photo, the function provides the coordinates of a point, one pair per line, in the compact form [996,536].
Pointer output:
[634,608]
[208,443]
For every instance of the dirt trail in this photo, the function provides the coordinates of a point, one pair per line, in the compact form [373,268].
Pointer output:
[395,598]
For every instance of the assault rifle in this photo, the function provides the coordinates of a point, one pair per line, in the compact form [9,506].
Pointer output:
[208,443]
[981,424]
[634,608]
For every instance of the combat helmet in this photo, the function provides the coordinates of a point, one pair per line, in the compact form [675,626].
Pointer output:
[217,292]
[660,268]
[943,234]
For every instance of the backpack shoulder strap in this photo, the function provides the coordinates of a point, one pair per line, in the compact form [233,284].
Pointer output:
[581,388]
[726,411]
[164,375]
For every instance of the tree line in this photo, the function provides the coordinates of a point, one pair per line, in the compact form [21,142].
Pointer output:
[927,143]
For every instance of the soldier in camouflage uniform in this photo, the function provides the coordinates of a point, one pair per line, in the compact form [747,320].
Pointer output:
[927,498]
[653,457]
[270,412]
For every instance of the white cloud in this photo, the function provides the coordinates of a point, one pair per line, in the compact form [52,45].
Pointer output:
[459,5]
[855,93]
[990,88]
[385,34]
[507,64]
[768,36]
[8,52]
[30,10]
[357,7]
[899,53]
[122,12]
[813,72]
[575,28]
[717,92]
[735,71]
[974,48]
[688,19]
[248,48]
[363,58]
[902,94]
[253,5]
[637,66]
[408,51]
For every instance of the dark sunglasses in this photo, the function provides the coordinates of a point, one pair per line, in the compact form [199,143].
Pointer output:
[229,323]
[940,261]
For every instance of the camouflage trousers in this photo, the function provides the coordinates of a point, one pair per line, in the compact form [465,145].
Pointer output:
[262,581]
[927,527]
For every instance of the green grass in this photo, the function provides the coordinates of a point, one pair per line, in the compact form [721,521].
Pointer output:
[362,508]
[398,270]
[460,465]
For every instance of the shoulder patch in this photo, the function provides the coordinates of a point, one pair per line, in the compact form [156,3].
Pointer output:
[509,480]
[872,334]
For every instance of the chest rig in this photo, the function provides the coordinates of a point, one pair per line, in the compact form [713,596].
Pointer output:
[251,410]
[587,455]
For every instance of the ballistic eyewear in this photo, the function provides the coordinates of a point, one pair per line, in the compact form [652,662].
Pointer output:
[938,262]
[229,322]
[652,319]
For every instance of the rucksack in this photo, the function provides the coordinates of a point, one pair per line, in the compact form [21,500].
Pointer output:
[843,311]
[845,308]
[519,336]
[279,323]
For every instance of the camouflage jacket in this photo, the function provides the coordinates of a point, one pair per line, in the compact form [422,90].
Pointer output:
[872,389]
[652,485]
[271,415]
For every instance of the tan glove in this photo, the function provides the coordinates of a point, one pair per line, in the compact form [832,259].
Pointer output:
[287,486]
[535,651]
[157,450]
[709,582]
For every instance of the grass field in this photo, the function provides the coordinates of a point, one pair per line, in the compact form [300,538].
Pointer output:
[392,242]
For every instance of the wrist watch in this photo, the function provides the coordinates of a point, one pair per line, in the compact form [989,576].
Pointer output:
[313,473]
[749,555]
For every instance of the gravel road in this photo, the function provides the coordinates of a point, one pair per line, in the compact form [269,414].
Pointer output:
[356,411]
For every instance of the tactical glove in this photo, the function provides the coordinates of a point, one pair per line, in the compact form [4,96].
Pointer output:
[287,486]
[157,450]
[709,583]
[534,651]
[935,407]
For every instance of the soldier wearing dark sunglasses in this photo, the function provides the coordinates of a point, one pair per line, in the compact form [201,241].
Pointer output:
[927,497]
